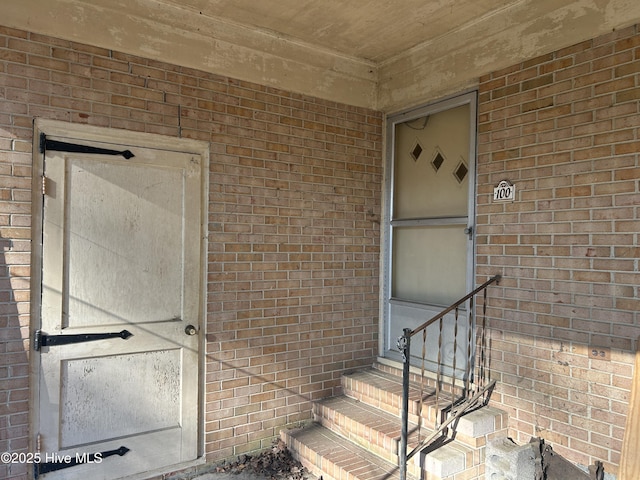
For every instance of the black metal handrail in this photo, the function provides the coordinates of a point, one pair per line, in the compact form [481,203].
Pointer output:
[458,406]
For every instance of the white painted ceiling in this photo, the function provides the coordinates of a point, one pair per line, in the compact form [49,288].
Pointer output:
[370,30]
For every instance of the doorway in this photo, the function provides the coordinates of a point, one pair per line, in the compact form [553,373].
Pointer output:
[119,230]
[429,246]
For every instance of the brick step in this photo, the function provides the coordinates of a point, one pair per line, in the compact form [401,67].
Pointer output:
[379,433]
[383,390]
[327,454]
[356,436]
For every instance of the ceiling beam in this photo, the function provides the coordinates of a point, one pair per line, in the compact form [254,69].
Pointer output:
[183,37]
[521,31]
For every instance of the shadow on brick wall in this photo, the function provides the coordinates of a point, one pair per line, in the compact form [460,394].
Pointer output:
[14,369]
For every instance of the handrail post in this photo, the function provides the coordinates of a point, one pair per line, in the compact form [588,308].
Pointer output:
[404,345]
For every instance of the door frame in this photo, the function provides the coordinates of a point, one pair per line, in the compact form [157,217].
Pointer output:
[465,98]
[116,136]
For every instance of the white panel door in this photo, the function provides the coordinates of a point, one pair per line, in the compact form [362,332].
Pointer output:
[121,251]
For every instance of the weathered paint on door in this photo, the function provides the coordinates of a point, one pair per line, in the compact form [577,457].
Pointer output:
[121,250]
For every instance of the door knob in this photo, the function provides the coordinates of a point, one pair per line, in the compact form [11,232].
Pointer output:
[190,330]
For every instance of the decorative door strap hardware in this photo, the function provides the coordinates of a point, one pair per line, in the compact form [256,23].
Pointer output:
[66,461]
[46,144]
[41,339]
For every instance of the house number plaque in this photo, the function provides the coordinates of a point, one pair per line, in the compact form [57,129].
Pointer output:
[504,192]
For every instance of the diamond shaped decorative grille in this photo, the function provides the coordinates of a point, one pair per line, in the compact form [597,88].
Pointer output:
[437,161]
[460,172]
[417,150]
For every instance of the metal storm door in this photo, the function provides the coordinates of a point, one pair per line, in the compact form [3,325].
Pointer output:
[429,253]
[120,311]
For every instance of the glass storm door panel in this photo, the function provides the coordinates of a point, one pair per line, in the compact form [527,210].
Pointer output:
[429,249]
[122,250]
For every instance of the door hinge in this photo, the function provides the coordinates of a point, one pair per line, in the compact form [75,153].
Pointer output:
[41,339]
[60,462]
[44,185]
[43,140]
[47,144]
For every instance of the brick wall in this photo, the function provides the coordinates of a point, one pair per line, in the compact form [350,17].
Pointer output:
[565,128]
[295,189]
